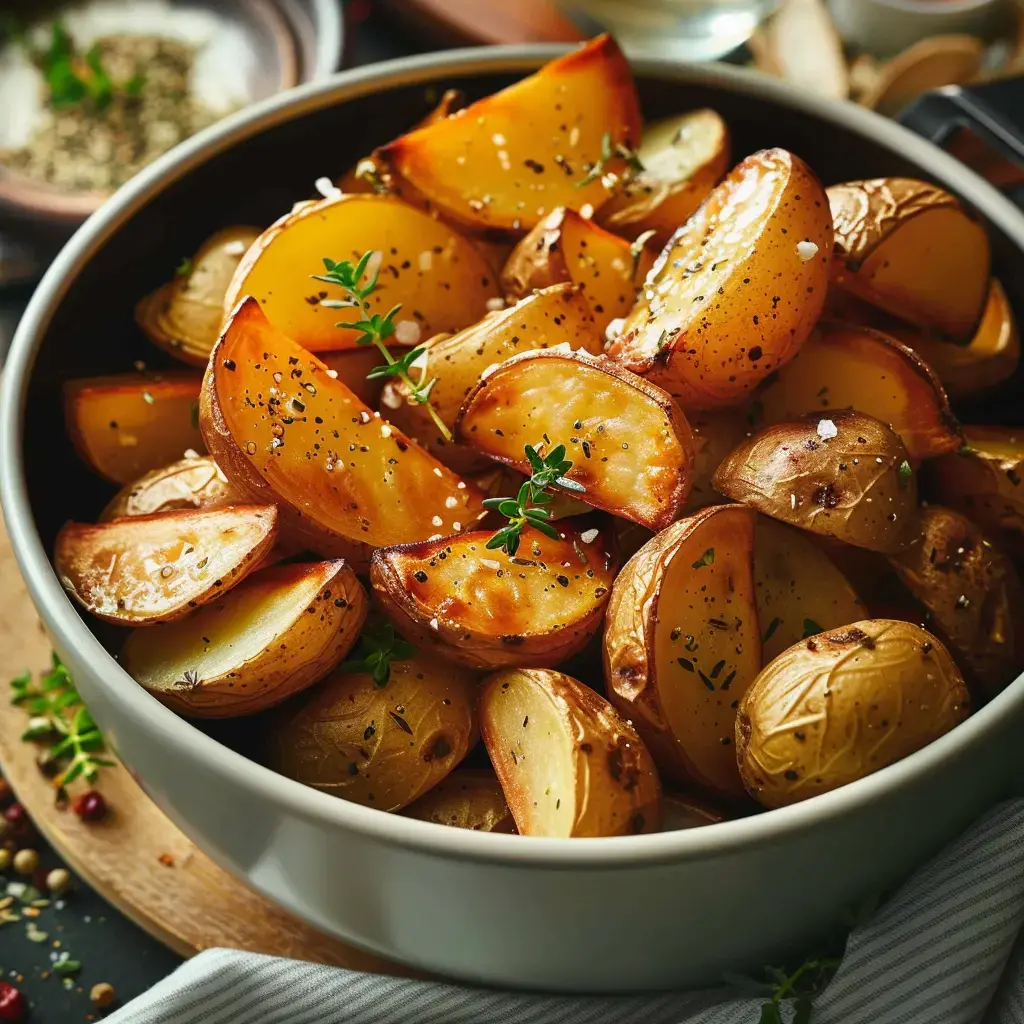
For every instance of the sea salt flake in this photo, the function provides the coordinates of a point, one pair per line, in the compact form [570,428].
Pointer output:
[407,332]
[589,536]
[495,304]
[327,188]
[806,251]
[826,429]
[614,328]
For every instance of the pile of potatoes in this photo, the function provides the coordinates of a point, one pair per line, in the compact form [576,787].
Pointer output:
[748,602]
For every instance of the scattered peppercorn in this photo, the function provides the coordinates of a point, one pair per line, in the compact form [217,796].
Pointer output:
[26,861]
[102,995]
[15,815]
[58,880]
[91,806]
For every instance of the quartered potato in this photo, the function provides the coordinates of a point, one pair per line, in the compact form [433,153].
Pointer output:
[276,633]
[184,315]
[973,594]
[553,316]
[911,249]
[194,482]
[565,247]
[715,435]
[379,746]
[843,704]
[285,432]
[800,591]
[683,157]
[125,425]
[483,608]
[738,288]
[570,765]
[679,812]
[557,138]
[630,446]
[441,281]
[134,572]
[844,366]
[469,798]
[681,644]
[845,476]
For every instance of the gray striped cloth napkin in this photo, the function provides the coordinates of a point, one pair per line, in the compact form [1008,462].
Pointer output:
[946,949]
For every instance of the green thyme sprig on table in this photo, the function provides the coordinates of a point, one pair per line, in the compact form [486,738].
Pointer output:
[806,982]
[376,329]
[609,151]
[377,648]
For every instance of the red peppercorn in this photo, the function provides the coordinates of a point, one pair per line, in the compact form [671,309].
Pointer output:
[15,815]
[12,1003]
[91,806]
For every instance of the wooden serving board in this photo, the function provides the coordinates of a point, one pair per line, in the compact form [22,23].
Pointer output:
[136,859]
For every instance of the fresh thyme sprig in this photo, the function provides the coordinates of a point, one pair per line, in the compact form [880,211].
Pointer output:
[377,648]
[806,982]
[73,79]
[526,508]
[376,329]
[58,714]
[609,151]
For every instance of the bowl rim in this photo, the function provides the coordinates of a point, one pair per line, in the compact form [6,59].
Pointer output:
[178,737]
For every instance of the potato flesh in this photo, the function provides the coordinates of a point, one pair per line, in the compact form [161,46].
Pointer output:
[189,483]
[124,426]
[630,446]
[715,435]
[441,281]
[468,798]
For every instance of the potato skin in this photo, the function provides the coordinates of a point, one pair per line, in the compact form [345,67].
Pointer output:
[383,747]
[843,704]
[468,798]
[189,483]
[856,486]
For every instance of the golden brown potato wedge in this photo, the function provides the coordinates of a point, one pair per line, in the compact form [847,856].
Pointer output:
[184,315]
[845,476]
[469,798]
[683,157]
[739,287]
[843,704]
[715,435]
[134,572]
[800,592]
[285,432]
[681,644]
[194,482]
[911,249]
[844,366]
[679,812]
[629,443]
[553,139]
[570,765]
[379,746]
[973,594]
[545,318]
[482,608]
[276,633]
[125,425]
[441,281]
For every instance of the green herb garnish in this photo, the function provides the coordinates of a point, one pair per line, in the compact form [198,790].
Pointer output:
[73,79]
[770,631]
[67,966]
[802,986]
[905,473]
[609,151]
[184,268]
[708,558]
[377,648]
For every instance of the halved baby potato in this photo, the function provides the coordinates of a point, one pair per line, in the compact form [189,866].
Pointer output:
[127,424]
[845,366]
[193,482]
[134,572]
[845,476]
[630,445]
[276,633]
[469,798]
[681,644]
[383,747]
[184,316]
[285,432]
[911,249]
[553,139]
[483,608]
[441,281]
[738,289]
[570,765]
[683,158]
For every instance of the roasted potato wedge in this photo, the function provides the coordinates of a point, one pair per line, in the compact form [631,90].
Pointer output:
[679,812]
[441,281]
[379,746]
[484,609]
[545,318]
[134,572]
[276,633]
[800,592]
[683,158]
[844,366]
[569,764]
[630,445]
[841,705]
[739,287]
[469,798]
[846,476]
[184,316]
[285,432]
[973,594]
[681,644]
[911,249]
[126,425]
[194,482]
[553,139]
[715,435]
